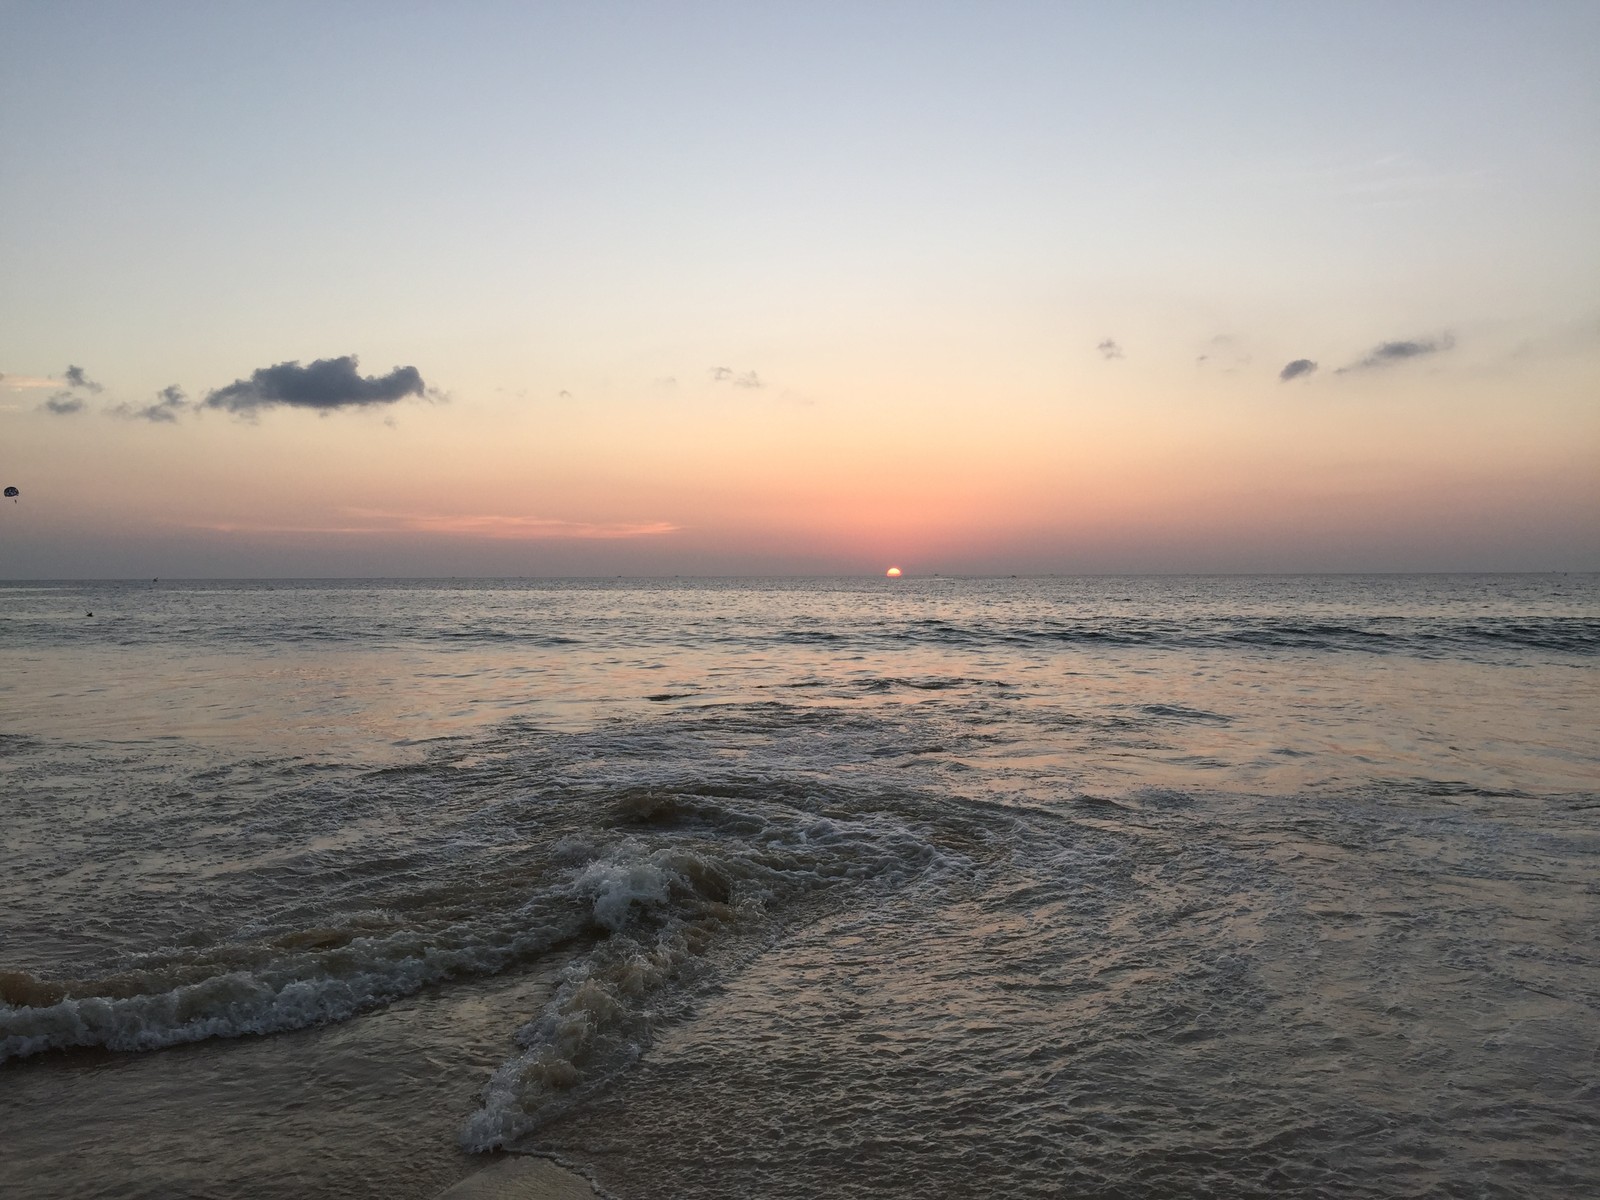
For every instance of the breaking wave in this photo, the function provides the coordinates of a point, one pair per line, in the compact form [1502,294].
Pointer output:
[642,891]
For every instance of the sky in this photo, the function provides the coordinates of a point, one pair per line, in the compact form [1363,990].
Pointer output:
[403,289]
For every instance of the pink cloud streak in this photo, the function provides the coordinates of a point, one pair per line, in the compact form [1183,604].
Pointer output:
[494,526]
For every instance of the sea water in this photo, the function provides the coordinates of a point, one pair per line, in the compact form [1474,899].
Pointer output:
[1142,887]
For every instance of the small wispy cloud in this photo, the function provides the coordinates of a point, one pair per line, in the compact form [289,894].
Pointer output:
[740,379]
[63,404]
[1385,179]
[1574,337]
[519,528]
[326,385]
[1388,353]
[26,383]
[1401,178]
[1109,349]
[76,378]
[170,402]
[1224,353]
[1298,369]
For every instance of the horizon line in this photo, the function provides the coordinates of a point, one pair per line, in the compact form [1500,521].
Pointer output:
[905,576]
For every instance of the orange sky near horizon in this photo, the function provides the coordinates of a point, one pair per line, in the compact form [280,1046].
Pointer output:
[839,485]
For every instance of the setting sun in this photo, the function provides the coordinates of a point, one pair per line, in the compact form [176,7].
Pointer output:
[893,572]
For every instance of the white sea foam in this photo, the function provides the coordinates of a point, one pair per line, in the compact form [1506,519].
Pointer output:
[666,909]
[619,887]
[649,907]
[291,993]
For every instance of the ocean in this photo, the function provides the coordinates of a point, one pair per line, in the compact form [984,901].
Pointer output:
[1044,887]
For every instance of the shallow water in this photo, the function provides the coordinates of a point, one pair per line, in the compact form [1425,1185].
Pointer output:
[1146,887]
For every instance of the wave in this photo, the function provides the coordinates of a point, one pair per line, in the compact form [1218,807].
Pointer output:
[1425,637]
[284,987]
[659,890]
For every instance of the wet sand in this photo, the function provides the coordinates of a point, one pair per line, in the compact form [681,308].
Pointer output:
[521,1177]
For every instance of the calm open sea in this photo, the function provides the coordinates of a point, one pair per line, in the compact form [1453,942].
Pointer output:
[1148,887]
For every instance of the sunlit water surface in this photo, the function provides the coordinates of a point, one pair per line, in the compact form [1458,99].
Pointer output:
[1037,887]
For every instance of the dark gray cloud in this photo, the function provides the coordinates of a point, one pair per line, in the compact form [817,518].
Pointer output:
[1294,370]
[77,379]
[63,404]
[170,401]
[1393,352]
[718,374]
[324,386]
[1109,349]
